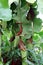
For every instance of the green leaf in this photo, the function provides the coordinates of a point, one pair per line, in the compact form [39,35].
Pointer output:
[30,46]
[31,1]
[40,5]
[41,45]
[7,63]
[36,37]
[4,24]
[5,12]
[27,30]
[29,62]
[21,14]
[16,41]
[1,63]
[24,57]
[23,2]
[37,24]
[4,3]
[23,53]
[41,34]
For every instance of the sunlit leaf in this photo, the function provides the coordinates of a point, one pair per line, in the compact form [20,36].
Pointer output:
[5,12]
[30,1]
[4,3]
[1,63]
[40,5]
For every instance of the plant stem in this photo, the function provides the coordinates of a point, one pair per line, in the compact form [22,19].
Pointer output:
[24,57]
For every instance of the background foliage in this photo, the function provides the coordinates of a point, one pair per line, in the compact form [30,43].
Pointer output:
[21,32]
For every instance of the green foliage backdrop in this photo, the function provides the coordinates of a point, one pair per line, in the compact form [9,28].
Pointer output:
[21,37]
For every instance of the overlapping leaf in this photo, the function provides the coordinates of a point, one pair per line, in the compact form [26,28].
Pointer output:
[27,30]
[37,24]
[21,14]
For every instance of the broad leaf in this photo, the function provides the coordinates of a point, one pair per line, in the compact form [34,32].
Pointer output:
[27,30]
[40,5]
[4,3]
[36,39]
[41,34]
[37,24]
[21,14]
[5,12]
